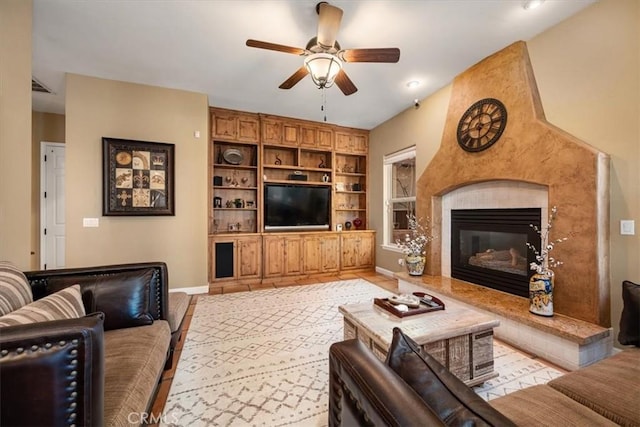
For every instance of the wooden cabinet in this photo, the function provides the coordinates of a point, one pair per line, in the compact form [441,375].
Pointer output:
[316,137]
[230,125]
[321,253]
[235,257]
[282,255]
[295,133]
[290,134]
[271,130]
[357,250]
[278,131]
[352,141]
[248,151]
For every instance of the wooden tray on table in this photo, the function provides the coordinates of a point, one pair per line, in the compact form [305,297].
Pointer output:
[423,308]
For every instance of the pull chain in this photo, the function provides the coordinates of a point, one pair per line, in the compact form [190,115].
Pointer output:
[324,104]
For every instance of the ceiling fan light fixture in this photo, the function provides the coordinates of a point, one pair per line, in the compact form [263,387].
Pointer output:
[323,68]
[532,4]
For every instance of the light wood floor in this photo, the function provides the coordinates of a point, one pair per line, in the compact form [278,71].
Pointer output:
[167,377]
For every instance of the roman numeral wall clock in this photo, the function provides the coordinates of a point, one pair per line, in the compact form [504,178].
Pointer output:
[482,125]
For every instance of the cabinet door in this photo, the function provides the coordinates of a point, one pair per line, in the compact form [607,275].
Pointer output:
[224,127]
[360,144]
[290,134]
[357,250]
[312,259]
[293,255]
[330,253]
[248,252]
[273,256]
[349,251]
[344,142]
[324,138]
[271,131]
[248,129]
[365,246]
[308,137]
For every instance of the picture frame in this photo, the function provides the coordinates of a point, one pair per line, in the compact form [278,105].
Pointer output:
[137,178]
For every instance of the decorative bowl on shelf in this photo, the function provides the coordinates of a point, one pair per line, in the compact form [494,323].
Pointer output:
[357,222]
[233,156]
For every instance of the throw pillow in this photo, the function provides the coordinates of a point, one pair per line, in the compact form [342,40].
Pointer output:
[630,319]
[123,297]
[15,291]
[65,304]
[450,398]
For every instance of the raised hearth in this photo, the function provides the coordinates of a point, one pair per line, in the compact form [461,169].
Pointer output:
[567,342]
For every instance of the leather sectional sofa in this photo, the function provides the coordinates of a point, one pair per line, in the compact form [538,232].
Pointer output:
[100,369]
[414,389]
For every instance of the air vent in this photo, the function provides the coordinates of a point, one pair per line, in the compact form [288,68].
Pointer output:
[36,86]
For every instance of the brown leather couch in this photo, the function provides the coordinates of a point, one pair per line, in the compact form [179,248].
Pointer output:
[413,389]
[102,369]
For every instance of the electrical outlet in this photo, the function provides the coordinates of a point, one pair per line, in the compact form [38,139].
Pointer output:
[627,227]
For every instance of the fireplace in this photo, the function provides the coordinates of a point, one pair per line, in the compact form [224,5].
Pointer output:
[488,247]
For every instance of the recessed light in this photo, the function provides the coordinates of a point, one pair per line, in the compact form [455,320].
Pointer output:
[412,84]
[532,4]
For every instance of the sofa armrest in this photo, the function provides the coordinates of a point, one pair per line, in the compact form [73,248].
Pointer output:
[52,373]
[45,282]
[364,391]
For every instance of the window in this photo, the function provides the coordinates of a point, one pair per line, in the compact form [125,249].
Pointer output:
[399,194]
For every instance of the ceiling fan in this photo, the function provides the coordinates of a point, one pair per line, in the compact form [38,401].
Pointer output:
[323,55]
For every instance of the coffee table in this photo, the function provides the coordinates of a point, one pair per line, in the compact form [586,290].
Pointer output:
[459,338]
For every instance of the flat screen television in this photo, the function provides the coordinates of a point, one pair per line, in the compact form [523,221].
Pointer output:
[296,207]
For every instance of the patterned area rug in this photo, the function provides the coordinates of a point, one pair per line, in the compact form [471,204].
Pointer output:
[261,358]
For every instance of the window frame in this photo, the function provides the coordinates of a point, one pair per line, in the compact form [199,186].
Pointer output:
[388,201]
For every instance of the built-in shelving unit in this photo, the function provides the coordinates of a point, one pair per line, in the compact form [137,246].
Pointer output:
[250,150]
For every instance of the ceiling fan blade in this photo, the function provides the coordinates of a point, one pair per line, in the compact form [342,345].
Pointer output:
[345,84]
[328,24]
[277,47]
[295,78]
[391,54]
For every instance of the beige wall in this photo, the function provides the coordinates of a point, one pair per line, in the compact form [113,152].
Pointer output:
[589,82]
[15,132]
[587,72]
[45,127]
[421,127]
[97,108]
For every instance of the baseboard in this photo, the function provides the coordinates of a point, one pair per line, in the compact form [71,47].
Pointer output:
[193,290]
[385,272]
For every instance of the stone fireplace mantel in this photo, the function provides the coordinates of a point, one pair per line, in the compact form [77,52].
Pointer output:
[573,174]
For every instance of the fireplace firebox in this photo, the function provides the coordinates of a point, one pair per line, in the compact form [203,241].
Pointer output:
[488,247]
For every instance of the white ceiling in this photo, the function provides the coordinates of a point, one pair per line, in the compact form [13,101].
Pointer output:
[199,46]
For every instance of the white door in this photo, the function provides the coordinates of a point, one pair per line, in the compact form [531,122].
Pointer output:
[52,228]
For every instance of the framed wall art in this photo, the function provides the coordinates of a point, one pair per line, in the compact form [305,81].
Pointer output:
[137,178]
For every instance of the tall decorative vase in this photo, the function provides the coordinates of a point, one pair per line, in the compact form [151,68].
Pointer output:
[541,293]
[415,264]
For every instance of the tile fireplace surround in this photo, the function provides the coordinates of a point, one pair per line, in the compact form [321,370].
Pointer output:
[533,165]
